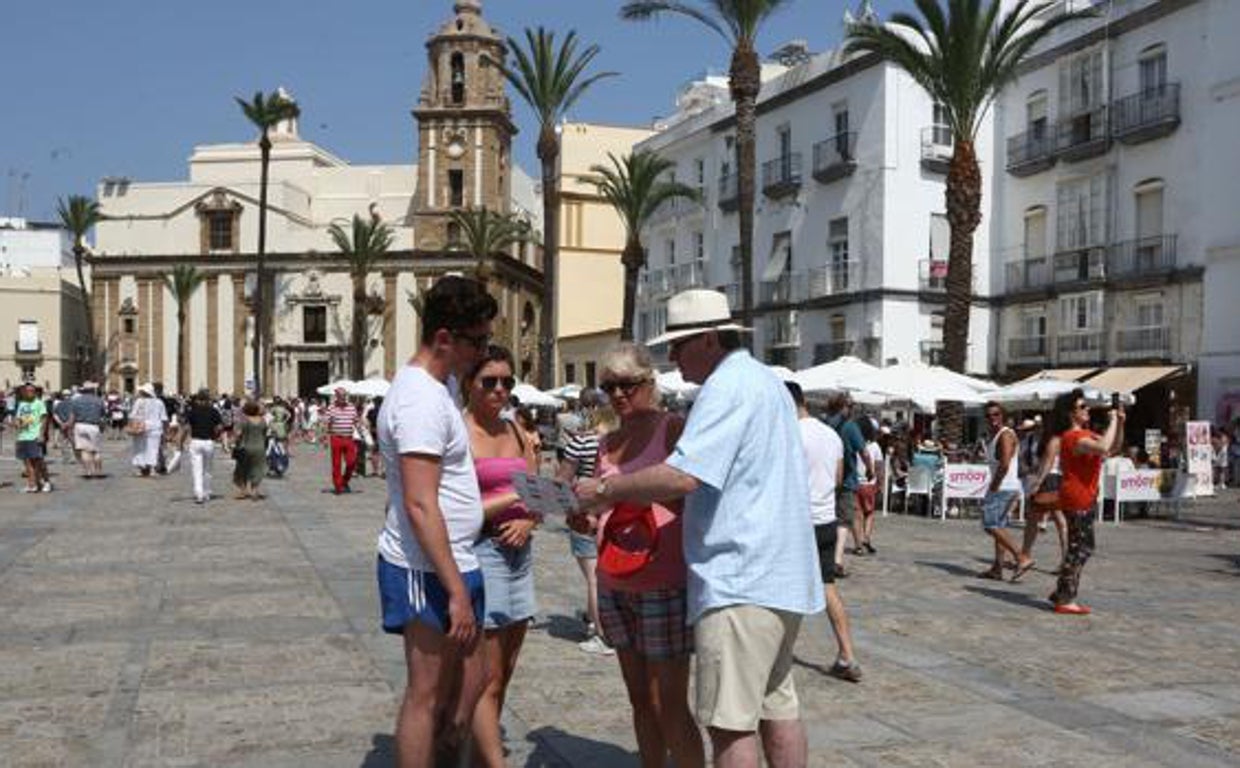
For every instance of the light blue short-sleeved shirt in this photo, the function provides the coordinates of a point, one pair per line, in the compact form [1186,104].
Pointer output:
[748,536]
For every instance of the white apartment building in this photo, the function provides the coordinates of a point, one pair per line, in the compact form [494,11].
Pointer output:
[1114,232]
[851,237]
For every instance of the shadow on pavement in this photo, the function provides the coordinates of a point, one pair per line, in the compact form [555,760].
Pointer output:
[562,627]
[952,568]
[1015,598]
[1230,559]
[382,752]
[553,748]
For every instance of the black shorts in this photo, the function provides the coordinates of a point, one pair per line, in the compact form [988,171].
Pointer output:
[824,536]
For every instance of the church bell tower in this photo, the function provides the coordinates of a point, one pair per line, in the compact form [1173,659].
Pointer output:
[465,128]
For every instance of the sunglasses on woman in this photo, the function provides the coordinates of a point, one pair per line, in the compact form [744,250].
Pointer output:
[495,382]
[627,386]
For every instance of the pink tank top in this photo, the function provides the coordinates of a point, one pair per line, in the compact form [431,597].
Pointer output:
[667,570]
[495,479]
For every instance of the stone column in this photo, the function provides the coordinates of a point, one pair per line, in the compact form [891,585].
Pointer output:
[239,335]
[160,329]
[145,312]
[389,324]
[213,333]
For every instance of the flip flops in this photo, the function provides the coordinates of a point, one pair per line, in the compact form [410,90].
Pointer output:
[1021,570]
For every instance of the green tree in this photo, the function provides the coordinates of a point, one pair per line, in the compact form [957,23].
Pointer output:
[485,233]
[182,283]
[962,52]
[635,185]
[550,77]
[738,22]
[265,112]
[363,247]
[79,214]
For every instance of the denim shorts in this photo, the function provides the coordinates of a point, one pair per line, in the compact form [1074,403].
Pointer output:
[29,450]
[995,509]
[509,578]
[407,596]
[582,545]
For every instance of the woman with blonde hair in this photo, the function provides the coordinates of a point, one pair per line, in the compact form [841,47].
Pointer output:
[642,576]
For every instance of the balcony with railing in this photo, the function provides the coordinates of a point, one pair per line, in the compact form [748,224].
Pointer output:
[1028,275]
[1080,265]
[1032,151]
[782,176]
[778,291]
[655,284]
[832,279]
[729,192]
[27,352]
[936,148]
[733,292]
[831,350]
[1143,257]
[689,275]
[1150,114]
[835,158]
[932,352]
[1084,135]
[1027,349]
[932,275]
[1080,346]
[785,330]
[673,209]
[1143,342]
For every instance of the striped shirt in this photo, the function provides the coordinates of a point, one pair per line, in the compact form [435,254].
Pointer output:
[583,450]
[340,419]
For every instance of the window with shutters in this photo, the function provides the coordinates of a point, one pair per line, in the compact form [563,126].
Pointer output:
[1035,233]
[314,325]
[1082,206]
[1152,70]
[1081,84]
[1036,117]
[837,249]
[1149,197]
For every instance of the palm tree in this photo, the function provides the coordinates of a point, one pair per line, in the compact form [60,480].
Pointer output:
[362,248]
[635,187]
[79,214]
[550,78]
[962,55]
[738,22]
[484,233]
[182,284]
[265,112]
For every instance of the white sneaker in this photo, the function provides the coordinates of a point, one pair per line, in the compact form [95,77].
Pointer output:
[47,487]
[597,646]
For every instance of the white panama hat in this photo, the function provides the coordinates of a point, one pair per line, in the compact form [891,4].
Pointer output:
[694,312]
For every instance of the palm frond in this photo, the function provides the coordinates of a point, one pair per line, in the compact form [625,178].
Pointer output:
[367,241]
[635,185]
[550,77]
[183,281]
[78,214]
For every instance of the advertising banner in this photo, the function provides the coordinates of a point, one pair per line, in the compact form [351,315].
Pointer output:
[1153,444]
[1139,485]
[965,481]
[1200,456]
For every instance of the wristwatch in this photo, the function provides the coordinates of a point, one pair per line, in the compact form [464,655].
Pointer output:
[601,490]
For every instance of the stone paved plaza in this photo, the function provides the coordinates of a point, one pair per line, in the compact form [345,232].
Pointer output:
[138,629]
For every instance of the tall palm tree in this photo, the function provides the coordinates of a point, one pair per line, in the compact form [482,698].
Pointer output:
[265,112]
[635,186]
[79,214]
[738,22]
[182,283]
[550,78]
[484,233]
[362,247]
[962,52]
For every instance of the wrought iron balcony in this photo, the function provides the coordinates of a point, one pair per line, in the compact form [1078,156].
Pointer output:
[1031,152]
[932,352]
[832,279]
[1150,114]
[1143,342]
[835,158]
[655,284]
[729,192]
[1028,275]
[932,275]
[1084,135]
[1142,257]
[1028,348]
[831,350]
[1079,265]
[777,291]
[936,148]
[785,330]
[26,351]
[689,275]
[782,176]
[733,292]
[1080,346]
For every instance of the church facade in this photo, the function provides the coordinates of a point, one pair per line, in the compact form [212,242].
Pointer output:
[464,145]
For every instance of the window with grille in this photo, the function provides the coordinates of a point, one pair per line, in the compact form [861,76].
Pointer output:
[220,231]
[1152,70]
[1081,312]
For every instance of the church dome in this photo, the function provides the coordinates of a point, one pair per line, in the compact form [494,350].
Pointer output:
[467,21]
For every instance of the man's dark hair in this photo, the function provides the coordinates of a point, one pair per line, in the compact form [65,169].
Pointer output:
[798,395]
[729,341]
[454,304]
[992,404]
[838,402]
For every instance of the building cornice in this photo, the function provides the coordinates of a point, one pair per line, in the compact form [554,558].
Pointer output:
[1108,31]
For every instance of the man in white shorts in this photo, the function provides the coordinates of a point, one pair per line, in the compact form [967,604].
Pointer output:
[430,584]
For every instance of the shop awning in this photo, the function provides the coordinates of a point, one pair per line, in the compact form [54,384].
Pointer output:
[1133,378]
[1064,374]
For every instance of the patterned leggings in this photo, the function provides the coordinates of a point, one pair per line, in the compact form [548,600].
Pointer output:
[1080,547]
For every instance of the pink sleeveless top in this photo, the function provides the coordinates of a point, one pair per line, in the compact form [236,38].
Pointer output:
[495,479]
[667,570]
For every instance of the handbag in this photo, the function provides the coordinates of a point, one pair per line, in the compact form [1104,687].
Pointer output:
[629,542]
[135,428]
[1046,499]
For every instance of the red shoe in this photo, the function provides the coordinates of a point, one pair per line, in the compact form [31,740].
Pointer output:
[1073,609]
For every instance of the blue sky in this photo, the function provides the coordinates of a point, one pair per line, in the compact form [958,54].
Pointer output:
[128,87]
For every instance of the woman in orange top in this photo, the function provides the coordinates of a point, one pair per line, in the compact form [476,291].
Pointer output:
[1081,453]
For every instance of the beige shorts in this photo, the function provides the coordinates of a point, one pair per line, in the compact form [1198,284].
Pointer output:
[86,438]
[744,667]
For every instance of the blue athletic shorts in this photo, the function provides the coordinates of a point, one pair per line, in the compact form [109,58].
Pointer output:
[406,596]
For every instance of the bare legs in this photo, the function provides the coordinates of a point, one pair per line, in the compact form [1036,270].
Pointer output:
[659,696]
[839,625]
[587,566]
[443,686]
[782,741]
[500,649]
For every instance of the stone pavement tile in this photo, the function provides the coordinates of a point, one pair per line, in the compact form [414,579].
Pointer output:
[37,613]
[193,583]
[86,669]
[255,555]
[963,723]
[227,727]
[46,731]
[1165,747]
[885,689]
[308,601]
[237,663]
[830,733]
[1050,751]
[136,545]
[46,583]
[1179,705]
[1218,732]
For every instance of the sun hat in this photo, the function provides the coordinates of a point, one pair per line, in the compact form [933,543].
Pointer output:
[629,540]
[928,445]
[147,389]
[690,313]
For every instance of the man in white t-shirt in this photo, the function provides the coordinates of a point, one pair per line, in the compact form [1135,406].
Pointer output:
[824,453]
[430,585]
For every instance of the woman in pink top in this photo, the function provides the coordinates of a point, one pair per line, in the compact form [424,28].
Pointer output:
[643,613]
[503,548]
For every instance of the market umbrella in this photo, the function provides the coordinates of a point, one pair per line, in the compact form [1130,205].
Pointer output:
[917,383]
[672,383]
[829,377]
[527,394]
[374,387]
[1040,393]
[566,392]
[327,390]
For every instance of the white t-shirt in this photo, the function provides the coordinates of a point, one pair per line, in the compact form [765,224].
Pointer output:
[876,458]
[824,450]
[420,415]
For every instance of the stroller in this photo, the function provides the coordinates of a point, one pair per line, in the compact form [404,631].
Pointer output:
[277,458]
